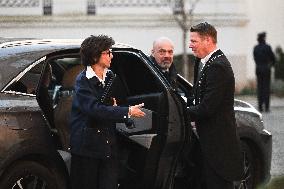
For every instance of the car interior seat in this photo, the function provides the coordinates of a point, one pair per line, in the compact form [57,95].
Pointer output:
[63,109]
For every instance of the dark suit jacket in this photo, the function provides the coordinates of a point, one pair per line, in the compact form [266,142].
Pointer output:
[93,123]
[264,58]
[214,116]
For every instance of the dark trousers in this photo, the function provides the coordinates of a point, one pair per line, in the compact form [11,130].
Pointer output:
[212,180]
[206,177]
[92,173]
[263,90]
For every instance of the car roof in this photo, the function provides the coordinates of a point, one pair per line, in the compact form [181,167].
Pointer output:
[16,54]
[18,45]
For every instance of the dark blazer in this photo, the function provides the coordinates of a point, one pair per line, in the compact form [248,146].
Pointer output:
[214,116]
[93,123]
[264,58]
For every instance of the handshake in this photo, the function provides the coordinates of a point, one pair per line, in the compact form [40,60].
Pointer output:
[134,111]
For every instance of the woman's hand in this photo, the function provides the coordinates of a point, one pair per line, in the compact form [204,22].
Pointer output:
[135,110]
[114,102]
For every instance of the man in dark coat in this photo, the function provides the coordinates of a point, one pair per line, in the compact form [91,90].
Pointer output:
[213,111]
[162,55]
[92,140]
[264,58]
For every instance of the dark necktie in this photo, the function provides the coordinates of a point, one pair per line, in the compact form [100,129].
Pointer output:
[167,75]
[200,67]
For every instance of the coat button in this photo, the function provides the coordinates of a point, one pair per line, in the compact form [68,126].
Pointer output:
[99,131]
[107,141]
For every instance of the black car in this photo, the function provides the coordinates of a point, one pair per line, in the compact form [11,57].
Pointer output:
[34,114]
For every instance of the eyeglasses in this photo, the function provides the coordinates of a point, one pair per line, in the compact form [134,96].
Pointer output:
[109,52]
[164,52]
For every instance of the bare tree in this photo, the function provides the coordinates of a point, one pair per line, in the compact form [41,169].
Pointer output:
[184,18]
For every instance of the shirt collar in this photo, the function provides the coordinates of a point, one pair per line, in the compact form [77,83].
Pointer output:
[206,58]
[90,74]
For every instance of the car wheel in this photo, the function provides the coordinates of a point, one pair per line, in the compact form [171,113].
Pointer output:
[29,174]
[250,177]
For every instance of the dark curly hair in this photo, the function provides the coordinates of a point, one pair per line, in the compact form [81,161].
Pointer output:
[92,47]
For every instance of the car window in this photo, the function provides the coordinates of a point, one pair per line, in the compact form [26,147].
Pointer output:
[28,82]
[137,77]
[65,68]
[62,65]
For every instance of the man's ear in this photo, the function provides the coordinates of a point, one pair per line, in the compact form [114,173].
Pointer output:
[206,38]
[209,40]
[152,52]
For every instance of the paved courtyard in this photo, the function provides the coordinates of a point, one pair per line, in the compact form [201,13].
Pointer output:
[274,122]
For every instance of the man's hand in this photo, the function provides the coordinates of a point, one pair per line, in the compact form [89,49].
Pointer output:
[135,110]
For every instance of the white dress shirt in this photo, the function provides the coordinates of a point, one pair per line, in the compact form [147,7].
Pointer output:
[206,58]
[90,74]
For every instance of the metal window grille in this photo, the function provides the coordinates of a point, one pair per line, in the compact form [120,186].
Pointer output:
[133,3]
[19,3]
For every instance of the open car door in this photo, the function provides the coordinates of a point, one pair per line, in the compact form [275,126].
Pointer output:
[148,149]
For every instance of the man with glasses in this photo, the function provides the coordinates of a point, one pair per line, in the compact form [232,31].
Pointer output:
[92,140]
[162,54]
[213,111]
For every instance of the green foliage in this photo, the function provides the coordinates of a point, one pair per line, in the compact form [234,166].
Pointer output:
[277,88]
[248,91]
[275,183]
[279,65]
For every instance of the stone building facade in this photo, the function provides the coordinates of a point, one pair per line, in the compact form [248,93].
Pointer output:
[138,23]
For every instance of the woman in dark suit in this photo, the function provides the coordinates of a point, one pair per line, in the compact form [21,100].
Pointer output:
[213,110]
[92,140]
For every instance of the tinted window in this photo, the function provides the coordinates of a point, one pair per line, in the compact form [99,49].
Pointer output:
[29,81]
[135,74]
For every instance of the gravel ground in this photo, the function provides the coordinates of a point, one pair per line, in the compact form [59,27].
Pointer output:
[273,122]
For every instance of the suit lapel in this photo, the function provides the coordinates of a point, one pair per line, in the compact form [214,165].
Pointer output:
[200,76]
[215,55]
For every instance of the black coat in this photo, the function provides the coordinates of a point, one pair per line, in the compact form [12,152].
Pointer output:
[214,116]
[93,123]
[264,58]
